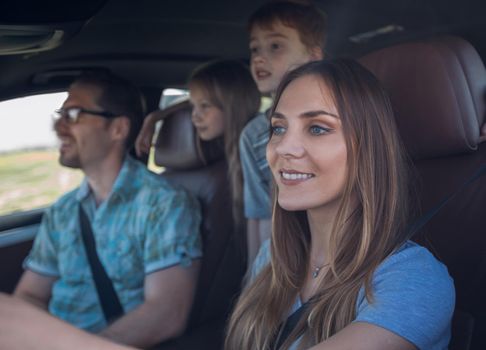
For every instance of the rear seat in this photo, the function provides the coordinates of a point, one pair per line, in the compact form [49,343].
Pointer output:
[200,167]
[438,91]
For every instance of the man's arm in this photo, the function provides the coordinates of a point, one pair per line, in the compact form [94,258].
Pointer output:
[169,294]
[35,288]
[26,327]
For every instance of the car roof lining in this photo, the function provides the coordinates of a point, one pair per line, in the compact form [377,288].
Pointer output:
[157,43]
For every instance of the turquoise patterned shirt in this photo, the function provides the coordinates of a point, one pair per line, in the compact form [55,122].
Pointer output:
[143,226]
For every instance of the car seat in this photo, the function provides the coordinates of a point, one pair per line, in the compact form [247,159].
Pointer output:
[438,89]
[200,168]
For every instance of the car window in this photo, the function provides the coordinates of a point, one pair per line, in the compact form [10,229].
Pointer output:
[30,175]
[171,96]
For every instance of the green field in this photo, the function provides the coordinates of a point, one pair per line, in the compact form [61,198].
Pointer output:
[32,179]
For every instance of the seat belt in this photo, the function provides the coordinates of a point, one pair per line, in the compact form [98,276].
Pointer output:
[287,327]
[110,304]
[424,219]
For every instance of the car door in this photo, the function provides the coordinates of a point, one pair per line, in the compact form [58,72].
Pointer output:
[30,177]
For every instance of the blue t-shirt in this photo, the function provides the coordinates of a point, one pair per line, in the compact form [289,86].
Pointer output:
[257,178]
[143,226]
[413,297]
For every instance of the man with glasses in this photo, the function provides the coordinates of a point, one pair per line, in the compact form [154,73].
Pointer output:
[145,232]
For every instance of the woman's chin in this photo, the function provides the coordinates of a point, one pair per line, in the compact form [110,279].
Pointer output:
[291,206]
[205,136]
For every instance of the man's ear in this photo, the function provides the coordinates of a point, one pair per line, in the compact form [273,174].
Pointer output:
[120,128]
[316,53]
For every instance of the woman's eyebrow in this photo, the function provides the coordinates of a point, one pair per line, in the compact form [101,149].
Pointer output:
[316,113]
[307,114]
[277,115]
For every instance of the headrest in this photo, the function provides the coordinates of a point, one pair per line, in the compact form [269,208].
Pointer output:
[178,147]
[437,88]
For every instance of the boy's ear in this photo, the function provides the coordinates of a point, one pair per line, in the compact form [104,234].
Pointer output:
[316,53]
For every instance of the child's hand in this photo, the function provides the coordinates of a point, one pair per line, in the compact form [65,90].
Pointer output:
[146,134]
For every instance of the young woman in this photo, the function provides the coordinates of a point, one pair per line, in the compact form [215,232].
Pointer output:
[339,238]
[224,98]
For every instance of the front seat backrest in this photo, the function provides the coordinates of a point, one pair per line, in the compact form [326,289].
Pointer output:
[438,88]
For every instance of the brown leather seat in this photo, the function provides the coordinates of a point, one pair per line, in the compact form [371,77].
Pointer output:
[200,167]
[438,90]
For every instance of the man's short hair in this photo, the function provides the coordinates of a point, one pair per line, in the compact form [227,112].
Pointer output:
[118,96]
[309,21]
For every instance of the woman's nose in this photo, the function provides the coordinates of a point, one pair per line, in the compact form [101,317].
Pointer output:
[290,146]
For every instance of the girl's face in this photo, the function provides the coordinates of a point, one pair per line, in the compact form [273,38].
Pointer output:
[307,151]
[206,117]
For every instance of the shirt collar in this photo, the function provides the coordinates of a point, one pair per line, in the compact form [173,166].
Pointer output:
[126,181]
[123,185]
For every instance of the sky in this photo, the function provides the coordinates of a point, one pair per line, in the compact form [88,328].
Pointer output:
[27,123]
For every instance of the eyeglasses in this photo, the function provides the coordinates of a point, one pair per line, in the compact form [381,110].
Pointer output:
[71,115]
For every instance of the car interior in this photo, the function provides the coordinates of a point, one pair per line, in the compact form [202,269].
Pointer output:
[428,54]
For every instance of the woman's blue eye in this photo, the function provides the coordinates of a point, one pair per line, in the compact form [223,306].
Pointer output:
[277,130]
[318,130]
[275,46]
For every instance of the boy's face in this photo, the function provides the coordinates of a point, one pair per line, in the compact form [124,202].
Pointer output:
[274,51]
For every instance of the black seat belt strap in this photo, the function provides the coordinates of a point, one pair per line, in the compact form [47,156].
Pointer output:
[417,225]
[287,327]
[108,298]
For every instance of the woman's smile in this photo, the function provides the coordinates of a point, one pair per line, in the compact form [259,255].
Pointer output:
[293,177]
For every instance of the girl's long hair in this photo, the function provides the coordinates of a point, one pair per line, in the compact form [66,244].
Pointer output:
[369,225]
[231,88]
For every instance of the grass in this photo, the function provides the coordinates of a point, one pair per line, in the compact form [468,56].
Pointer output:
[33,179]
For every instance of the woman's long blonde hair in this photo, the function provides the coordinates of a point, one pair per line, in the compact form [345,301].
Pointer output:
[369,225]
[231,88]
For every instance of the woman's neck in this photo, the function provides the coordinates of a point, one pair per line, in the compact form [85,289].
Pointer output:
[320,226]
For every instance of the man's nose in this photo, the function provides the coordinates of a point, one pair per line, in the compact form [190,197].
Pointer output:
[60,125]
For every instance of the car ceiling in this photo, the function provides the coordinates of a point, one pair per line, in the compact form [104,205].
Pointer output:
[156,43]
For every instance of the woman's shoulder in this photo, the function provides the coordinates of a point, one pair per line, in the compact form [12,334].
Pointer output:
[412,258]
[412,295]
[415,270]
